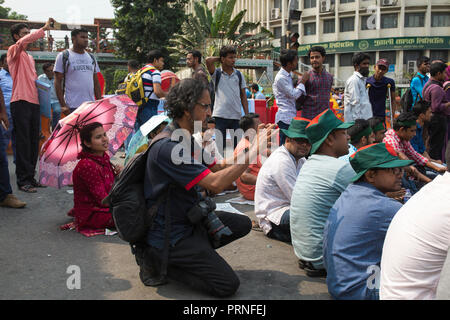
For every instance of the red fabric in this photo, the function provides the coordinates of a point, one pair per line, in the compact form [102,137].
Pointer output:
[93,178]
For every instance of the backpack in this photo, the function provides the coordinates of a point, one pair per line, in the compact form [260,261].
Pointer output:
[127,201]
[407,99]
[122,87]
[213,85]
[135,86]
[66,63]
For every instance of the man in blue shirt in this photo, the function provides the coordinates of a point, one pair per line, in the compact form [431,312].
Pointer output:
[6,85]
[420,79]
[378,89]
[357,224]
[423,113]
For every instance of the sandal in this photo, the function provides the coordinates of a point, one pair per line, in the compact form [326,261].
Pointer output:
[28,188]
[36,184]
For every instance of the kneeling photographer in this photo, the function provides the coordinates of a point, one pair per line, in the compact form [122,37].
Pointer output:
[186,230]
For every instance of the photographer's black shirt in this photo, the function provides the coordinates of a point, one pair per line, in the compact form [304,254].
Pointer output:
[161,172]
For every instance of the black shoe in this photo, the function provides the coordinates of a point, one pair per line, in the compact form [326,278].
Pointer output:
[310,270]
[149,279]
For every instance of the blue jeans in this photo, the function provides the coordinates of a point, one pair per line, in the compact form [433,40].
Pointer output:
[56,114]
[5,185]
[282,232]
[285,126]
[9,136]
[145,112]
[222,125]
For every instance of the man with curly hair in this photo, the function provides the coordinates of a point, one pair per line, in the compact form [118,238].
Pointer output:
[185,233]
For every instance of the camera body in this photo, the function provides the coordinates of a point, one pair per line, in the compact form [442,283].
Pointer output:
[203,212]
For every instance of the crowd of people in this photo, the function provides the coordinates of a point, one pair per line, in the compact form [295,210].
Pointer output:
[339,192]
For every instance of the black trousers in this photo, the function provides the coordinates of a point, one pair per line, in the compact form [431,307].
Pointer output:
[437,131]
[194,262]
[26,121]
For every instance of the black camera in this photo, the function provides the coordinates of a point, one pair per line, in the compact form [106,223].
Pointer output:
[203,212]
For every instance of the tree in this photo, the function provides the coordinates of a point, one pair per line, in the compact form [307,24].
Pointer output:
[207,33]
[143,25]
[6,13]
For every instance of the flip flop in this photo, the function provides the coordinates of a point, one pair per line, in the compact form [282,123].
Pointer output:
[28,188]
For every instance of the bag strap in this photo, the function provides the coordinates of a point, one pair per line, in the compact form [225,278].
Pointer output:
[219,74]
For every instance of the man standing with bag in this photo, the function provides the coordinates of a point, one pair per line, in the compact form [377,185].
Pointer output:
[76,79]
[25,110]
[230,96]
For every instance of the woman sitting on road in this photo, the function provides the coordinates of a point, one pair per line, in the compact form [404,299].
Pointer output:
[93,178]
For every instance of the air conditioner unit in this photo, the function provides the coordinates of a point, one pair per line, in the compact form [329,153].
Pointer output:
[388,2]
[326,6]
[412,66]
[275,13]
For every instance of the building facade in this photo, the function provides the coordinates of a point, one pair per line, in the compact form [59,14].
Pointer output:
[398,30]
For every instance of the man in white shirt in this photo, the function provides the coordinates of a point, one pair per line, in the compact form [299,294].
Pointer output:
[285,92]
[417,243]
[356,98]
[276,180]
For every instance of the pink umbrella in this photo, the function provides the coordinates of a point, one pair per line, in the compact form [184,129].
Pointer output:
[166,79]
[59,153]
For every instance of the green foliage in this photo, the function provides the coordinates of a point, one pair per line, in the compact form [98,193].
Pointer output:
[113,77]
[6,13]
[143,25]
[207,33]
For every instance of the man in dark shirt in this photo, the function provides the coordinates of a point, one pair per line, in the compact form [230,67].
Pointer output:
[178,167]
[378,86]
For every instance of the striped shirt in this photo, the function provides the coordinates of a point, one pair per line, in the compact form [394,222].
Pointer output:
[318,89]
[148,78]
[405,147]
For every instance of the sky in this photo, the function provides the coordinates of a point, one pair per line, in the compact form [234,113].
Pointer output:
[66,11]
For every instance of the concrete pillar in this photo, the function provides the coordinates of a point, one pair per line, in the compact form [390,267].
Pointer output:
[400,66]
[336,67]
[268,14]
[401,20]
[284,12]
[428,20]
[357,20]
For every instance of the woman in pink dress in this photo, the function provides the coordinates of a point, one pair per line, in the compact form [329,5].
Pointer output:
[93,178]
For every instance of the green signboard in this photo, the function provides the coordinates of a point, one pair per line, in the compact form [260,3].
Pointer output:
[384,44]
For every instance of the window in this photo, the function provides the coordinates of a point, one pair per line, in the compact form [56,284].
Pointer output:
[438,54]
[368,22]
[345,60]
[309,4]
[277,33]
[414,20]
[373,57]
[309,29]
[389,21]
[330,60]
[329,26]
[347,24]
[390,56]
[413,55]
[277,4]
[441,19]
[347,1]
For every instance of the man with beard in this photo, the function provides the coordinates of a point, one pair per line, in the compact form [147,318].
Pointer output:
[353,238]
[194,61]
[276,180]
[318,87]
[356,99]
[186,231]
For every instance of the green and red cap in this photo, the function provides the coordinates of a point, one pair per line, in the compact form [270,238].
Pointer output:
[297,128]
[321,126]
[377,155]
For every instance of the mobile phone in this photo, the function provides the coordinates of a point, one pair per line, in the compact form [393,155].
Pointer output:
[55,25]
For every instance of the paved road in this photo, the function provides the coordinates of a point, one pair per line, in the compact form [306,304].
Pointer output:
[35,256]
